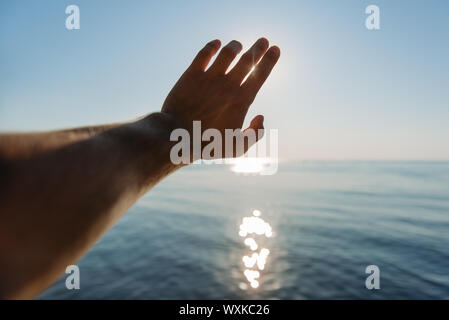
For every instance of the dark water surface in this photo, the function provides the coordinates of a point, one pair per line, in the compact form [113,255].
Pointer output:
[329,221]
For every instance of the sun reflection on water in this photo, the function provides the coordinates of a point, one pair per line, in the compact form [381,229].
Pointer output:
[251,228]
[249,165]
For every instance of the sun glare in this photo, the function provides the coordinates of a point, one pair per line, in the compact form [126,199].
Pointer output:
[248,165]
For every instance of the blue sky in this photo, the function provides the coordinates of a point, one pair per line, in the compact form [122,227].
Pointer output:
[339,90]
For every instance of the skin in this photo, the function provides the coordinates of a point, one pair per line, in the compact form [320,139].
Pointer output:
[60,191]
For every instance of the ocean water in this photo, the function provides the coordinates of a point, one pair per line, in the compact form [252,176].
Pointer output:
[328,222]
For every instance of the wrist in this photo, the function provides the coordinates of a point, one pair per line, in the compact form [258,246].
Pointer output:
[155,131]
[143,149]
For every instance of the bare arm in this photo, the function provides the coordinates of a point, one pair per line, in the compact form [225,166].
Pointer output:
[25,144]
[60,191]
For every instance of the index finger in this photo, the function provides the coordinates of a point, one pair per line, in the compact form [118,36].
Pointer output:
[203,57]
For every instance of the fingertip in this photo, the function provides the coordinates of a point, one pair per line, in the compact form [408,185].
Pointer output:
[275,51]
[263,42]
[236,45]
[215,43]
[257,122]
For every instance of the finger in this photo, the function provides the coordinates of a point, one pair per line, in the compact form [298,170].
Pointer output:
[257,78]
[248,60]
[203,57]
[225,57]
[256,126]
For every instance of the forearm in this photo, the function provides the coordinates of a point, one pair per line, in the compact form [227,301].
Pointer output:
[23,144]
[55,204]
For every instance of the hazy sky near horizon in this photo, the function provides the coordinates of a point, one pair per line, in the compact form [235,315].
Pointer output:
[339,91]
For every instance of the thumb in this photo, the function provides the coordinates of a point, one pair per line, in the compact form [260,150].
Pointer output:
[256,126]
[256,123]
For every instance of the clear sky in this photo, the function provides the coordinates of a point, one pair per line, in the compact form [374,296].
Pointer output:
[339,90]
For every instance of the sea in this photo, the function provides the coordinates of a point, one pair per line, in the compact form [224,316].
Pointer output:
[312,230]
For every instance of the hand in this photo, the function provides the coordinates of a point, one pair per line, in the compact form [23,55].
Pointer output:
[217,98]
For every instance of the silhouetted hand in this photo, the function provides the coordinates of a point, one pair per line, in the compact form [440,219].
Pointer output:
[220,99]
